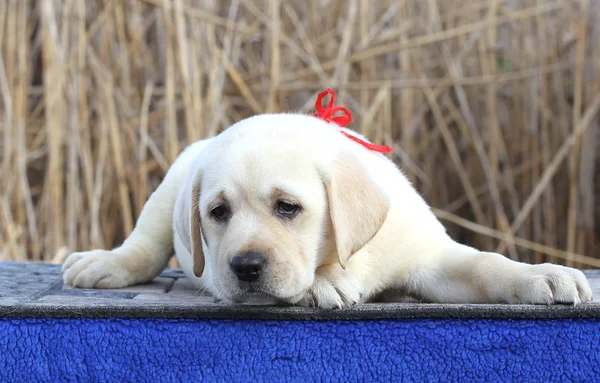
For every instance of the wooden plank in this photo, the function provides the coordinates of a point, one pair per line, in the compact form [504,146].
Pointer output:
[36,290]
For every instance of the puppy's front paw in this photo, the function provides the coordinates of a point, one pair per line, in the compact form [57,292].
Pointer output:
[549,284]
[96,269]
[333,288]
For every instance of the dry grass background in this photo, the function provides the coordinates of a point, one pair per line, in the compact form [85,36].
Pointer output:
[491,107]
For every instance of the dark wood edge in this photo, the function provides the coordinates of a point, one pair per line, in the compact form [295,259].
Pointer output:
[388,311]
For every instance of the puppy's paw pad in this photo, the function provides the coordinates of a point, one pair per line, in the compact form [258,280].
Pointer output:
[95,269]
[549,284]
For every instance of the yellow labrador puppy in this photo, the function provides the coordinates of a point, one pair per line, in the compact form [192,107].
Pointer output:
[284,208]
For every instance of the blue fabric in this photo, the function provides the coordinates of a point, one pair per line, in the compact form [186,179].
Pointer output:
[161,350]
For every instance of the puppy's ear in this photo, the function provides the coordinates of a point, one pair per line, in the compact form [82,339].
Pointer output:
[357,206]
[196,231]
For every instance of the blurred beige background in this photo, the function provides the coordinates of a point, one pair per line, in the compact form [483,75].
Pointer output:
[491,107]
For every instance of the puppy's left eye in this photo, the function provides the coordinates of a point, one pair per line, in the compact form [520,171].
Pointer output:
[286,209]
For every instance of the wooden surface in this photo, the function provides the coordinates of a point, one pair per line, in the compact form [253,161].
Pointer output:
[36,290]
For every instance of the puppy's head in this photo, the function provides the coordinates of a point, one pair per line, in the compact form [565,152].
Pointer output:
[274,197]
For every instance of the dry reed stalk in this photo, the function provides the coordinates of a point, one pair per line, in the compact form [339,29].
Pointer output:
[482,101]
[54,121]
[588,167]
[577,104]
[583,259]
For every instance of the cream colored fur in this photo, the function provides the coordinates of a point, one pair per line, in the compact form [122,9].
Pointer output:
[362,229]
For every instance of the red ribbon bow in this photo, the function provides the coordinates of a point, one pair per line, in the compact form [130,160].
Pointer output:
[327,114]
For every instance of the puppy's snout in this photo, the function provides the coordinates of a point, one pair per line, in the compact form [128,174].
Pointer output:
[248,265]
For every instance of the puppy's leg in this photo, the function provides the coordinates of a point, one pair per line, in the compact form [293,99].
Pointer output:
[464,275]
[147,250]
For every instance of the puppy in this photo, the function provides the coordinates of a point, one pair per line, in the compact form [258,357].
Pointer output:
[291,209]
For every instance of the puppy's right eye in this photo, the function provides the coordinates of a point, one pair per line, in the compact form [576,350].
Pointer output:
[220,213]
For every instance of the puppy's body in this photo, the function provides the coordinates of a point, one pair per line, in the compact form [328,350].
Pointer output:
[361,228]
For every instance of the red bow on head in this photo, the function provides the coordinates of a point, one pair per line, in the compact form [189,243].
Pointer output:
[327,114]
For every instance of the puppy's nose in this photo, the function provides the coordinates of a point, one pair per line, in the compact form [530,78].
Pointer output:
[248,265]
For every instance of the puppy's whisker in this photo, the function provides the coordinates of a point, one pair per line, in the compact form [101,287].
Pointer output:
[201,291]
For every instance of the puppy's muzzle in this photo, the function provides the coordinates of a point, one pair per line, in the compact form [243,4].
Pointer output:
[247,266]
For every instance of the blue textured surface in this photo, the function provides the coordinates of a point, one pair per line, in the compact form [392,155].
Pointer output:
[161,350]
